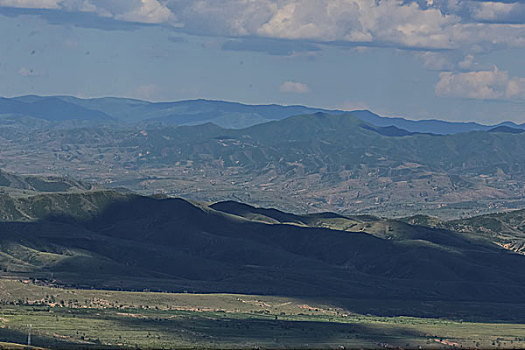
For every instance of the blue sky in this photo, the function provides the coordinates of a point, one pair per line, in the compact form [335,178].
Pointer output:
[445,59]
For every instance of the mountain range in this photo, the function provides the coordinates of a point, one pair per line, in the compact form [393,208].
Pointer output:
[304,163]
[118,111]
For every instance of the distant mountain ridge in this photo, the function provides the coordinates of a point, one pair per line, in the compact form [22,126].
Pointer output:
[50,109]
[192,112]
[432,126]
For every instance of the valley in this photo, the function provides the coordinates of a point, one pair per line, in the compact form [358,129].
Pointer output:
[313,231]
[306,163]
[93,267]
[262,174]
[66,318]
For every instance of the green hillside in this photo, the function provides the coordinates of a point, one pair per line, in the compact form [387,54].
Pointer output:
[505,229]
[113,240]
[11,183]
[103,268]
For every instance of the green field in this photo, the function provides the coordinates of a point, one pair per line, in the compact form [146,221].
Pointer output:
[95,318]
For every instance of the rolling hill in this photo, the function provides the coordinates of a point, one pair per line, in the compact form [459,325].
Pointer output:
[50,109]
[27,184]
[116,240]
[125,112]
[504,229]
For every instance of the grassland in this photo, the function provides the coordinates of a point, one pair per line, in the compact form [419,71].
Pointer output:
[96,318]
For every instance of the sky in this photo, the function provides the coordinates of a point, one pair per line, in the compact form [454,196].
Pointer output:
[461,60]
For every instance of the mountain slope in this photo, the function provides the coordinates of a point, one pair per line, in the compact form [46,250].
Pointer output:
[51,109]
[432,126]
[115,240]
[12,183]
[505,229]
[308,163]
[192,112]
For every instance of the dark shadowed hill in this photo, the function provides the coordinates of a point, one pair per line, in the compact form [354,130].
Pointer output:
[114,240]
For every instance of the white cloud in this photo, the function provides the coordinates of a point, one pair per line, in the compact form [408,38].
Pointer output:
[38,4]
[387,21]
[140,11]
[78,5]
[294,87]
[495,11]
[483,85]
[148,11]
[516,88]
[435,60]
[422,24]
[440,24]
[479,37]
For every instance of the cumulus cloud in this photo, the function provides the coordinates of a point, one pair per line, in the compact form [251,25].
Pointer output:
[491,11]
[362,21]
[466,25]
[389,21]
[496,11]
[38,4]
[438,24]
[435,60]
[148,11]
[140,11]
[483,85]
[294,87]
